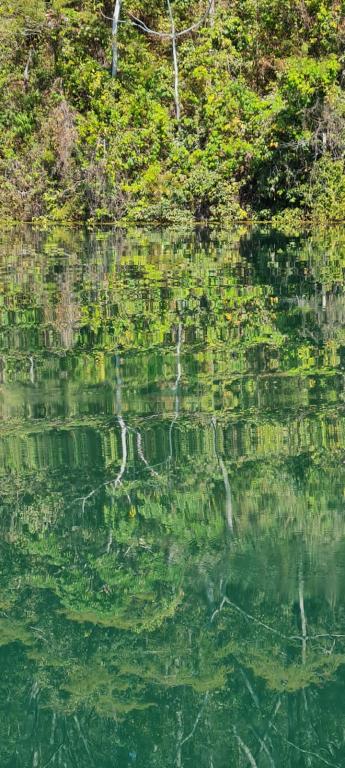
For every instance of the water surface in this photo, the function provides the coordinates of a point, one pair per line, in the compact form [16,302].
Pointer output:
[172,479]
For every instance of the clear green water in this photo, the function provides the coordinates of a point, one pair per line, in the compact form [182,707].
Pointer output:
[172,478]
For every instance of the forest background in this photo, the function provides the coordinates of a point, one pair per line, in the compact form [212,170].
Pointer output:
[121,114]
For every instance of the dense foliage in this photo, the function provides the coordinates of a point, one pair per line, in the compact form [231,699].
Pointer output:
[262,125]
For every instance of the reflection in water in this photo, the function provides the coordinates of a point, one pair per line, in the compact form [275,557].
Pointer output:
[172,464]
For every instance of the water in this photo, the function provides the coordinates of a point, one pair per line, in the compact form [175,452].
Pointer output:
[172,476]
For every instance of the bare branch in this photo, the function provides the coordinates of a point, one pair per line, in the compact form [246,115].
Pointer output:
[115,482]
[305,751]
[253,619]
[270,723]
[303,617]
[228,500]
[196,721]
[141,455]
[246,750]
[168,35]
[264,748]
[53,756]
[141,25]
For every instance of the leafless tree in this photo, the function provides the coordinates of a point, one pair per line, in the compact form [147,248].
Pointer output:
[173,35]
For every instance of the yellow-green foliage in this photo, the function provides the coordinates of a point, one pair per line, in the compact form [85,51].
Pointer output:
[262,112]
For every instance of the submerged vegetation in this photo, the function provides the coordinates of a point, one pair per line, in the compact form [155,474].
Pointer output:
[169,112]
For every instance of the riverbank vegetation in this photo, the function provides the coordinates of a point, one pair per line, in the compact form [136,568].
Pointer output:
[172,112]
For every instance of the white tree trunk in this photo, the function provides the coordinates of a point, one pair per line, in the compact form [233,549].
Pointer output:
[114,30]
[175,63]
[212,11]
[173,35]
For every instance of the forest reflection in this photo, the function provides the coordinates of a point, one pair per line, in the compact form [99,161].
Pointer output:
[172,465]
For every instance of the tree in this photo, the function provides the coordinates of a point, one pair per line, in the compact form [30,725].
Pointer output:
[173,36]
[115,26]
